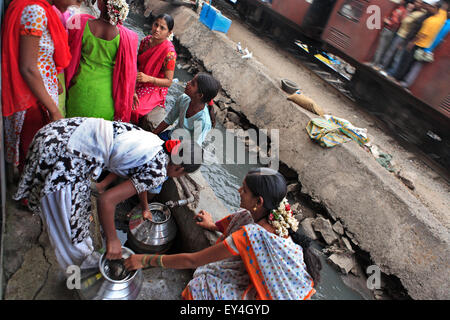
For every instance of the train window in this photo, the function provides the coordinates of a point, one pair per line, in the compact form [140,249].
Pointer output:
[352,10]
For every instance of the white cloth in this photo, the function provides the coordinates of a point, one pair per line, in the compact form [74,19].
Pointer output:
[94,138]
[55,213]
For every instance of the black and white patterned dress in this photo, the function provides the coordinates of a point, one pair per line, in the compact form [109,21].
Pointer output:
[51,167]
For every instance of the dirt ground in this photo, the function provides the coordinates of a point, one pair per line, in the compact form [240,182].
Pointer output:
[429,187]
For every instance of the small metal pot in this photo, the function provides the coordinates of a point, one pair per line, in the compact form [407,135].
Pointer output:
[97,285]
[152,236]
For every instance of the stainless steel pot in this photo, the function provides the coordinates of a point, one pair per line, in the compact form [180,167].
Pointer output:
[97,284]
[152,236]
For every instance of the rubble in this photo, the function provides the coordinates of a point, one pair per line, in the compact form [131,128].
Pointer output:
[323,226]
[344,262]
[308,228]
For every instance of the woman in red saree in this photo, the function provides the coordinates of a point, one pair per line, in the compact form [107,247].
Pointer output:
[259,255]
[156,66]
[34,50]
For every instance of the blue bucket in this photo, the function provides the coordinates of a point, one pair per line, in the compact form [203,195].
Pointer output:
[213,19]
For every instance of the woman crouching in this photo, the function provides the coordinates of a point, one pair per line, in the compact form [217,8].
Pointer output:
[258,256]
[63,158]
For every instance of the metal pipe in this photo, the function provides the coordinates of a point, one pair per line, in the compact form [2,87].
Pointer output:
[182,202]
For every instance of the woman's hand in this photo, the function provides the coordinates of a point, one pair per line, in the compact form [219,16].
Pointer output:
[147,214]
[135,102]
[55,115]
[133,262]
[113,249]
[204,220]
[142,77]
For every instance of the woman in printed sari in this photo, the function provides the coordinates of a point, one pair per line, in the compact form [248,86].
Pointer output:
[63,158]
[156,66]
[34,50]
[101,77]
[258,256]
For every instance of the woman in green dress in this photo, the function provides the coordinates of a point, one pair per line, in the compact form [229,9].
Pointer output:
[100,78]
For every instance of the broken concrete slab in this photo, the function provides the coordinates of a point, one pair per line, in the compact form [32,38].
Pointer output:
[324,227]
[344,262]
[308,229]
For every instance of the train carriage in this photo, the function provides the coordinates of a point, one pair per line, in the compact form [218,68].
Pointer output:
[354,25]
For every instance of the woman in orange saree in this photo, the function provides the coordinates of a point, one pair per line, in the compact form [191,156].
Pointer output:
[256,257]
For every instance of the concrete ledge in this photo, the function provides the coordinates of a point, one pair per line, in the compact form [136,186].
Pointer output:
[400,233]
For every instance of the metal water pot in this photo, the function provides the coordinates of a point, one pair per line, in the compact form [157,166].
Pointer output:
[152,236]
[98,284]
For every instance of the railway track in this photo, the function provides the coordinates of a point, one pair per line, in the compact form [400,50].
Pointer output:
[337,76]
[313,62]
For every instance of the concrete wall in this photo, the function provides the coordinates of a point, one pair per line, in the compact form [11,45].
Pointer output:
[401,235]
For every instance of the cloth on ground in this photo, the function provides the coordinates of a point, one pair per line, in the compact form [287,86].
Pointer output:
[332,131]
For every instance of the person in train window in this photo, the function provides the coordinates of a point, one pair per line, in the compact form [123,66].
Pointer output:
[414,12]
[424,37]
[428,52]
[391,25]
[412,28]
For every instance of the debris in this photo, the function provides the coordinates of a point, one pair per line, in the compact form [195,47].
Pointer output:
[323,226]
[405,179]
[347,244]
[344,262]
[308,228]
[293,187]
[239,48]
[247,54]
[338,228]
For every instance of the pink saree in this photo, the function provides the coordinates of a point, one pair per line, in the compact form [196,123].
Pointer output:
[151,62]
[124,75]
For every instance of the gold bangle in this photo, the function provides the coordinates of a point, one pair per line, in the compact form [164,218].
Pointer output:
[160,263]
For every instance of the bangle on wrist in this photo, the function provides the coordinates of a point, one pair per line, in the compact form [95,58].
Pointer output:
[147,260]
[159,261]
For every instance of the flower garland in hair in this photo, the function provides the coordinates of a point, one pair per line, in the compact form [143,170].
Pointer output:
[117,11]
[283,219]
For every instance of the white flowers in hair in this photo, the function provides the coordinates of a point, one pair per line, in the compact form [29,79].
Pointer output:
[117,11]
[283,219]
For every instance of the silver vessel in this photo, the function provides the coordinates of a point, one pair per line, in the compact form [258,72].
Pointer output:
[100,284]
[155,235]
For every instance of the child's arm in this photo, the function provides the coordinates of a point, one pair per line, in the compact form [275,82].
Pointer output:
[170,118]
[161,127]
